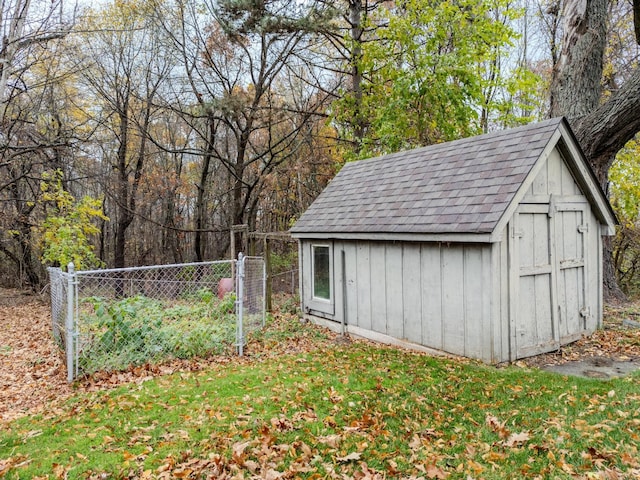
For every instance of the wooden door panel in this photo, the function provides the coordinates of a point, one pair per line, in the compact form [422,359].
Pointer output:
[534,319]
[571,246]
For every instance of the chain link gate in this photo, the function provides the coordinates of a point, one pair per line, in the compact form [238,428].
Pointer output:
[113,319]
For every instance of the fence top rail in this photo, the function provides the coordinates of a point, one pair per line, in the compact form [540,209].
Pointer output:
[152,267]
[286,236]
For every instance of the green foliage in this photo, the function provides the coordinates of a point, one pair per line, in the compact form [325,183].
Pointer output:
[625,199]
[129,334]
[66,233]
[624,183]
[203,294]
[429,71]
[245,17]
[284,262]
[515,98]
[136,330]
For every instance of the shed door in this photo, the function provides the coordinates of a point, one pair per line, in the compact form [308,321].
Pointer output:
[535,319]
[550,245]
[571,227]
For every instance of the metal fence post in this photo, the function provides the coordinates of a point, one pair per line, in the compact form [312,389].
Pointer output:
[240,304]
[265,284]
[69,321]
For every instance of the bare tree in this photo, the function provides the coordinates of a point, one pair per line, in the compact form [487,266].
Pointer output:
[32,139]
[126,67]
[240,92]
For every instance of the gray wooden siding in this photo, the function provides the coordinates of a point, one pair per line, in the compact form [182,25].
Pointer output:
[501,319]
[436,295]
[554,178]
[565,303]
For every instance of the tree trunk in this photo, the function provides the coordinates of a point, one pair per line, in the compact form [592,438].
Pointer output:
[355,21]
[608,127]
[601,128]
[576,84]
[602,134]
[238,215]
[202,190]
[24,207]
[124,216]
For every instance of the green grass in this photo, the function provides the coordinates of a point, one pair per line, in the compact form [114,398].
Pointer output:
[337,411]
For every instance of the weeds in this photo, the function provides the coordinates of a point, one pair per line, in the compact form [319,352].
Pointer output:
[118,334]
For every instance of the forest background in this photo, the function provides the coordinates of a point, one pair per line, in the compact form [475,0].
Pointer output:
[137,132]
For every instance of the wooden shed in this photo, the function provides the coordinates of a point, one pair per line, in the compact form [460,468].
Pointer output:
[488,247]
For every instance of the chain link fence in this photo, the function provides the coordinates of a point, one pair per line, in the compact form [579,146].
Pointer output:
[108,320]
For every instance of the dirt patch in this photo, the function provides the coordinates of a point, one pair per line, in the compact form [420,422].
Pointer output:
[613,351]
[602,368]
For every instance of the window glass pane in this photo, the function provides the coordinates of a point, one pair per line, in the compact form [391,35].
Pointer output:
[321,280]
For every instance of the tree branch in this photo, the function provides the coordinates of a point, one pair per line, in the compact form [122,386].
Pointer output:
[607,129]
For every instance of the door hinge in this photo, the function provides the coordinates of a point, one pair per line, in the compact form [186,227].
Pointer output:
[585,312]
[583,228]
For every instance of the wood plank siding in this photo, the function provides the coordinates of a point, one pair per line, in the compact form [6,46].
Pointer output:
[436,295]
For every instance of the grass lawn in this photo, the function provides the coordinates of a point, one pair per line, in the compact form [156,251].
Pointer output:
[304,406]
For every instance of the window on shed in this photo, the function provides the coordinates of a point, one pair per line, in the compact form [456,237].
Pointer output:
[321,272]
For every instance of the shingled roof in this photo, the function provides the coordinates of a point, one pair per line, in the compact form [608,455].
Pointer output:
[459,187]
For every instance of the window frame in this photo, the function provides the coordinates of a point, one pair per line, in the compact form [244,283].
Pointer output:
[314,279]
[316,303]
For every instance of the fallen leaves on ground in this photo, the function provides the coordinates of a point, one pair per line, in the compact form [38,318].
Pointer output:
[343,450]
[33,376]
[615,341]
[32,371]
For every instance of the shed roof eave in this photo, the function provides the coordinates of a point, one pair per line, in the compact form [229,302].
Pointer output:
[564,140]
[401,237]
[587,179]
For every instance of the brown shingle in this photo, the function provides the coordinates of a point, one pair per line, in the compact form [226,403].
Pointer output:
[456,187]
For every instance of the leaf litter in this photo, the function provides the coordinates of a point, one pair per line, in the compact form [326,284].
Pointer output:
[340,451]
[613,351]
[32,371]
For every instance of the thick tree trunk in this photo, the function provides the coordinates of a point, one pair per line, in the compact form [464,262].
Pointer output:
[576,84]
[607,128]
[601,128]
